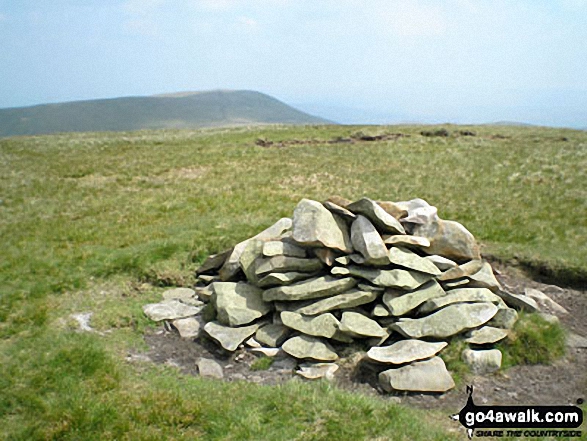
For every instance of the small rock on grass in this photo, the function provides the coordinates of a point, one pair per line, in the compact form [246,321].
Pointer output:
[545,301]
[210,368]
[486,335]
[482,361]
[170,310]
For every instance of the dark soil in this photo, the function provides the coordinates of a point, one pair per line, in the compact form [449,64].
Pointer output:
[563,382]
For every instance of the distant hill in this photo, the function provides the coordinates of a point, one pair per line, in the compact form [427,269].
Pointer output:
[181,110]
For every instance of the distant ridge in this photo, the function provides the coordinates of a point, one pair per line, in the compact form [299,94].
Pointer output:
[178,110]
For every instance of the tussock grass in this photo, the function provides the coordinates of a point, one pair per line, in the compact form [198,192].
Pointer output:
[103,222]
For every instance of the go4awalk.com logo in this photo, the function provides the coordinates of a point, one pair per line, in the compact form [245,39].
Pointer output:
[519,421]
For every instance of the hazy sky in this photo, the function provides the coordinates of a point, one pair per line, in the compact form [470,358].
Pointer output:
[350,60]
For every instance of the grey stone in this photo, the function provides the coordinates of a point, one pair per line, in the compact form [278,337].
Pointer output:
[186,295]
[304,346]
[420,376]
[457,283]
[346,300]
[383,221]
[406,241]
[505,318]
[325,286]
[314,225]
[449,239]
[231,266]
[448,321]
[272,335]
[367,241]
[357,325]
[461,295]
[213,263]
[380,310]
[250,260]
[418,211]
[544,301]
[170,310]
[280,247]
[442,263]
[343,260]
[518,301]
[210,368]
[400,303]
[188,327]
[314,371]
[395,278]
[252,343]
[324,325]
[486,335]
[410,260]
[393,209]
[238,303]
[464,270]
[405,351]
[204,293]
[484,278]
[576,341]
[268,352]
[280,279]
[281,264]
[340,211]
[482,361]
[229,338]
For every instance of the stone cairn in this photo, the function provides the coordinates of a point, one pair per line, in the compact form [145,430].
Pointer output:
[389,277]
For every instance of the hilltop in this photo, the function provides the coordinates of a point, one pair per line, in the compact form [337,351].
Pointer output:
[179,110]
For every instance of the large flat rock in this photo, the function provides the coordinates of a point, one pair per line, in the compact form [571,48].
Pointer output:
[400,303]
[351,299]
[281,264]
[228,337]
[272,335]
[304,346]
[280,279]
[410,260]
[238,303]
[395,278]
[383,221]
[405,351]
[318,287]
[324,325]
[448,321]
[170,310]
[357,325]
[367,241]
[314,225]
[448,239]
[486,335]
[461,295]
[420,376]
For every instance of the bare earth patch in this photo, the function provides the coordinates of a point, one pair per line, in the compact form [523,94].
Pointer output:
[562,383]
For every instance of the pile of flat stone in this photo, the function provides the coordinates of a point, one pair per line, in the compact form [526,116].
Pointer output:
[391,278]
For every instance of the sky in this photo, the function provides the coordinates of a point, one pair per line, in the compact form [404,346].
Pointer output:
[352,61]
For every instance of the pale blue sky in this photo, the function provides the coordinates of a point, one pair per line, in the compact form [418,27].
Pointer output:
[349,60]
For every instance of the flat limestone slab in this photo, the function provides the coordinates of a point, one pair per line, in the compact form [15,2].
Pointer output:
[357,325]
[280,279]
[486,335]
[314,371]
[400,303]
[281,264]
[519,301]
[314,225]
[367,241]
[350,299]
[279,247]
[420,376]
[407,241]
[229,338]
[395,278]
[170,310]
[461,295]
[238,303]
[405,351]
[383,221]
[448,321]
[304,346]
[318,287]
[324,325]
[408,259]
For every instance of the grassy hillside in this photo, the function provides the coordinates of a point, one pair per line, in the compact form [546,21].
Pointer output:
[101,222]
[187,110]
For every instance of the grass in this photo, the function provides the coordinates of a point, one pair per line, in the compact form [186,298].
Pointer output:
[533,341]
[261,364]
[103,222]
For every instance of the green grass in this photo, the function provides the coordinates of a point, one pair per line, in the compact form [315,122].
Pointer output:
[103,222]
[261,364]
[533,341]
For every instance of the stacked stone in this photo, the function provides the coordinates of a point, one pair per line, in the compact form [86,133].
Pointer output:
[393,277]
